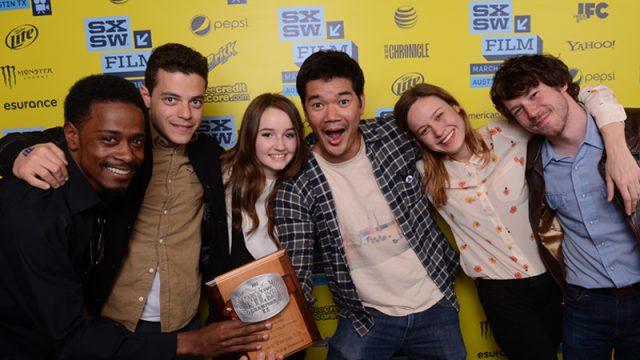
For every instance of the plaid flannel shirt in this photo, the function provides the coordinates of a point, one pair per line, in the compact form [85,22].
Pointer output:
[306,217]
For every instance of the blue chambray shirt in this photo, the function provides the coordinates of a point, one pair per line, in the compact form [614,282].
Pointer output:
[599,248]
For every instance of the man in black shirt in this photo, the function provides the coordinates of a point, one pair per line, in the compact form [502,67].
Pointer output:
[53,240]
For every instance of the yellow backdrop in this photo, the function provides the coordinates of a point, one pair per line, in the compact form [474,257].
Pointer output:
[256,46]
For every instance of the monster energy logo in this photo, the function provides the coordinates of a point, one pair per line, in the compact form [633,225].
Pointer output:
[9,75]
[485,330]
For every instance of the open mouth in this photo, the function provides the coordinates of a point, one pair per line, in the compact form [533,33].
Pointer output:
[119,171]
[278,156]
[334,135]
[447,139]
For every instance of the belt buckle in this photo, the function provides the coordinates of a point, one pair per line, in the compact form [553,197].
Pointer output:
[260,298]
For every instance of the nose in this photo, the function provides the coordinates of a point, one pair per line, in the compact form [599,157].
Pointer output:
[125,153]
[184,111]
[438,129]
[531,110]
[279,144]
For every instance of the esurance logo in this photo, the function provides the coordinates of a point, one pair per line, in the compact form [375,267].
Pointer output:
[406,81]
[108,33]
[587,10]
[222,128]
[405,17]
[20,37]
[591,45]
[301,23]
[490,17]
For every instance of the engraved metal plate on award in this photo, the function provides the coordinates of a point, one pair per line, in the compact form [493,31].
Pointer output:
[260,297]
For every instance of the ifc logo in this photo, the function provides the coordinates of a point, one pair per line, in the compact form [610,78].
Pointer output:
[200,25]
[406,17]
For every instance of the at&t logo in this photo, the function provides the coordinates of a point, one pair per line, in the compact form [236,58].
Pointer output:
[406,17]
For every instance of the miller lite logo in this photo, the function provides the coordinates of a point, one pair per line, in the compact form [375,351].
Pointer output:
[20,37]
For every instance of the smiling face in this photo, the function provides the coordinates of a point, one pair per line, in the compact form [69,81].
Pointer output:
[439,126]
[542,110]
[108,146]
[333,111]
[176,105]
[276,141]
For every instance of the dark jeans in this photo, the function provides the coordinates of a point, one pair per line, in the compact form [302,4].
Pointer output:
[525,315]
[594,324]
[431,334]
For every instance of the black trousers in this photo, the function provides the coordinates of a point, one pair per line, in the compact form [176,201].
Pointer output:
[525,315]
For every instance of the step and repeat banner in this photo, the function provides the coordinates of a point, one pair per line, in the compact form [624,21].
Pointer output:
[256,46]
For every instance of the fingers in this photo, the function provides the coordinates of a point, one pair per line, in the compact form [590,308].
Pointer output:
[610,188]
[42,166]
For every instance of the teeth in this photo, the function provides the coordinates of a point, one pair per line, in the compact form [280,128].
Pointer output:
[447,138]
[118,171]
[279,156]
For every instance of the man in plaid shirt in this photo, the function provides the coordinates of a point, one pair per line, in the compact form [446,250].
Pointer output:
[360,203]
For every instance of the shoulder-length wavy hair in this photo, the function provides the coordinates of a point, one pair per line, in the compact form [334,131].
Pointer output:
[436,179]
[246,176]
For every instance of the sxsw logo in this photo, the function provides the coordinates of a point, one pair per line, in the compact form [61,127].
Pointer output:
[587,10]
[301,23]
[222,128]
[129,64]
[108,33]
[405,82]
[491,17]
[303,50]
[13,5]
[504,47]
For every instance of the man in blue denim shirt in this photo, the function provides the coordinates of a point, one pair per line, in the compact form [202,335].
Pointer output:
[360,203]
[599,262]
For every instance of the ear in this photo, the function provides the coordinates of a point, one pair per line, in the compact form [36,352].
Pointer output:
[457,108]
[362,103]
[146,96]
[72,135]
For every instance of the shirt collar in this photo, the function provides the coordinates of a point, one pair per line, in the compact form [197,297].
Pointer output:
[591,138]
[80,194]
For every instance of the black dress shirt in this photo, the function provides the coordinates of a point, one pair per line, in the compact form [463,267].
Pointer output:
[49,244]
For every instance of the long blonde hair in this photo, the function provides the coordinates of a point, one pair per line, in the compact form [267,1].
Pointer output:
[436,179]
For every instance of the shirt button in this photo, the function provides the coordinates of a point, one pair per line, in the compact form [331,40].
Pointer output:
[167,211]
[576,168]
[169,181]
[584,196]
[150,270]
[161,241]
[141,299]
[612,268]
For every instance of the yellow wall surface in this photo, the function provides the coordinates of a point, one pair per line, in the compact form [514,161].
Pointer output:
[257,46]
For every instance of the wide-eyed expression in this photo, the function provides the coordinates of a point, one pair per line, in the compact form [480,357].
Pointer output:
[333,111]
